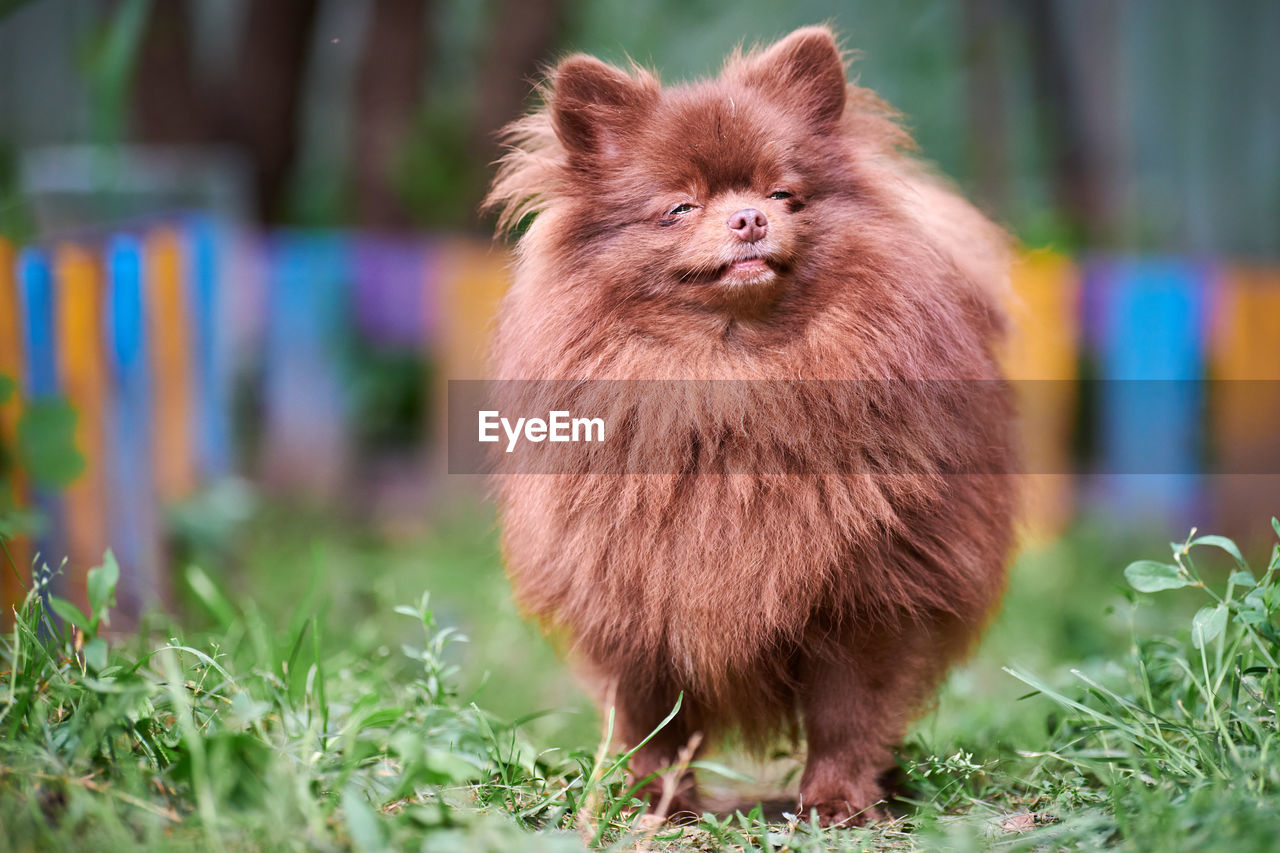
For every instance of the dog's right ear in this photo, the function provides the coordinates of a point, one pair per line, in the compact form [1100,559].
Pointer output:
[594,106]
[805,71]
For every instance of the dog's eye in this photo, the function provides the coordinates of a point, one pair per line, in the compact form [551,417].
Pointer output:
[779,194]
[679,209]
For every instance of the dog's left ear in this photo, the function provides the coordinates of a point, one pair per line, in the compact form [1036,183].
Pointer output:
[595,107]
[804,69]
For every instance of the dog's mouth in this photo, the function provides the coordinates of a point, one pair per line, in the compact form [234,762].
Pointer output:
[747,270]
[747,266]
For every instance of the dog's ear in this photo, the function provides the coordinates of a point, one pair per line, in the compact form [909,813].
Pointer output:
[594,106]
[804,70]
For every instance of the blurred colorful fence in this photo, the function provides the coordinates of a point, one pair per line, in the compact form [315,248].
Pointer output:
[153,333]
[1148,390]
[158,334]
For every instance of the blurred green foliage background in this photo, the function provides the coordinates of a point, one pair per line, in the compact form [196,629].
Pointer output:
[1143,124]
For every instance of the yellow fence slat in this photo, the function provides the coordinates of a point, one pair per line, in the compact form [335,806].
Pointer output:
[170,347]
[1042,358]
[465,281]
[474,275]
[82,375]
[1046,339]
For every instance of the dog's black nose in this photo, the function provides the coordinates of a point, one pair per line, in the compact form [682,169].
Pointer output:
[749,224]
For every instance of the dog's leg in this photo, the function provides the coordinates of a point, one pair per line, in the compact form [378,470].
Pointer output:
[856,705]
[638,712]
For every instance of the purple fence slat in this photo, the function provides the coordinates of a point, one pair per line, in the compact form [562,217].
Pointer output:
[389,291]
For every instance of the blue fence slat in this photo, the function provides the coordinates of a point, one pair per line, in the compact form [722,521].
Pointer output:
[211,383]
[133,513]
[305,394]
[35,288]
[35,284]
[1151,354]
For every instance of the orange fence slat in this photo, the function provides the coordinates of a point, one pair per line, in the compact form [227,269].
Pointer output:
[82,376]
[11,365]
[168,329]
[1244,403]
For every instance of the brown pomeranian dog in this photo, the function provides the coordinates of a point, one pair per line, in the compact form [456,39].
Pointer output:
[812,542]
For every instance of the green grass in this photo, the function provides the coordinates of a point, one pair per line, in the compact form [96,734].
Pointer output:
[314,697]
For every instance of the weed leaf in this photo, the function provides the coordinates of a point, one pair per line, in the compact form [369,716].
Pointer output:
[247,709]
[95,654]
[722,770]
[1209,622]
[102,585]
[68,611]
[46,443]
[362,821]
[1150,576]
[1220,542]
[203,587]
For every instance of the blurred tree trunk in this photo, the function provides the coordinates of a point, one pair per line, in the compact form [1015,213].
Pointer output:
[389,86]
[261,103]
[170,105]
[255,108]
[987,96]
[524,35]
[1075,67]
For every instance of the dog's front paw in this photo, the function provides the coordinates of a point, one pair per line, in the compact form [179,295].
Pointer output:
[851,805]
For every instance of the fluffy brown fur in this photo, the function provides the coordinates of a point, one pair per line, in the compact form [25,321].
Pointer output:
[832,598]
